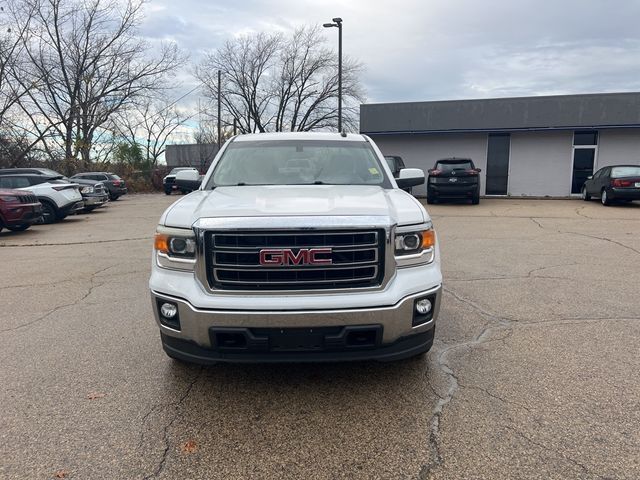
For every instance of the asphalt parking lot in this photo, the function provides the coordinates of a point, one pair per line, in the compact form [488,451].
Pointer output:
[534,373]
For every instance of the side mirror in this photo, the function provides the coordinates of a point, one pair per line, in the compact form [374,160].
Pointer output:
[479,170]
[188,180]
[410,177]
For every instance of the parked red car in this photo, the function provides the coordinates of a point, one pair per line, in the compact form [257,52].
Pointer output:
[18,209]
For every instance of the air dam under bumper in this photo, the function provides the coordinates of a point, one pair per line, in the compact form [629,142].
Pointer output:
[377,333]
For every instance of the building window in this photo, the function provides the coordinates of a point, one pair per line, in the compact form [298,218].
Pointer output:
[585,137]
[584,157]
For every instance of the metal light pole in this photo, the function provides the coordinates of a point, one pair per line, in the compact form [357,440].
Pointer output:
[337,22]
[219,116]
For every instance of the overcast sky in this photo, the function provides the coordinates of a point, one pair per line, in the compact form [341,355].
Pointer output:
[439,49]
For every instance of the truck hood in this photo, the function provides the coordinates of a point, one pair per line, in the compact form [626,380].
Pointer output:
[295,200]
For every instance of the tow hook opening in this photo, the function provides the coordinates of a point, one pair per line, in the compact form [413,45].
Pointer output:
[231,340]
[361,338]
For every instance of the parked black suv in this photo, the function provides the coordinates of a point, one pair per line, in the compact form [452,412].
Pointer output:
[113,182]
[454,178]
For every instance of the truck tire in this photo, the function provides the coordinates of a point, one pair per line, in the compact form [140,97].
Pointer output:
[476,198]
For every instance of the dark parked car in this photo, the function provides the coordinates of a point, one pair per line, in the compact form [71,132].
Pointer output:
[94,193]
[395,164]
[169,181]
[454,178]
[613,183]
[18,209]
[113,182]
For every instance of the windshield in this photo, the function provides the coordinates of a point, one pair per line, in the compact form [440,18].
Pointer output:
[295,162]
[618,172]
[448,166]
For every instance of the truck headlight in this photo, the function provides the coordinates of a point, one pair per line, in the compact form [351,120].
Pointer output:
[87,189]
[414,242]
[175,248]
[415,247]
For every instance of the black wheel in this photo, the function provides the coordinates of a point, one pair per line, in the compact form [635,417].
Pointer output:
[605,198]
[431,199]
[48,213]
[476,198]
[585,195]
[114,197]
[19,228]
[167,192]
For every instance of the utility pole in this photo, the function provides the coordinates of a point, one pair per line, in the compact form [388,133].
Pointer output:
[219,110]
[337,22]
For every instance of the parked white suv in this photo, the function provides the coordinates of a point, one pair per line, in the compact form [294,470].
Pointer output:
[297,247]
[58,197]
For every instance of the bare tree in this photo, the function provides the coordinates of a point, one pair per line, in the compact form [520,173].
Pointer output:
[246,90]
[150,124]
[273,83]
[88,63]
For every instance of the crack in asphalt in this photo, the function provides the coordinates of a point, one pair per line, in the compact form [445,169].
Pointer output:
[73,243]
[165,432]
[495,323]
[72,280]
[604,239]
[92,287]
[529,274]
[556,452]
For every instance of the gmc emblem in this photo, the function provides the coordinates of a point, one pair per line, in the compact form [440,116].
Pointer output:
[286,256]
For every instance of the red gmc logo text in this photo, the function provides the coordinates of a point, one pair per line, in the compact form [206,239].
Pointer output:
[286,256]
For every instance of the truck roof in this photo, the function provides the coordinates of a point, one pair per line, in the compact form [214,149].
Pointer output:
[334,136]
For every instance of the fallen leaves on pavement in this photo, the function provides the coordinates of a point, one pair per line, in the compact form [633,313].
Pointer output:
[61,474]
[189,446]
[94,395]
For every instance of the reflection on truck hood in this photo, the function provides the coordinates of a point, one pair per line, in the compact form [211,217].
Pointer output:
[294,200]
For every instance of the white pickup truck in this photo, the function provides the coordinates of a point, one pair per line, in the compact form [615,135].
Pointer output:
[296,247]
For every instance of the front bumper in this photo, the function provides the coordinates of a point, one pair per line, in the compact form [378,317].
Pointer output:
[23,214]
[72,208]
[95,200]
[384,333]
[402,348]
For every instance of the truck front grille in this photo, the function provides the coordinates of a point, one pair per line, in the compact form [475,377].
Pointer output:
[234,259]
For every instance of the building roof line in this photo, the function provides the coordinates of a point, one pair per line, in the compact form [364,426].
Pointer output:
[498,130]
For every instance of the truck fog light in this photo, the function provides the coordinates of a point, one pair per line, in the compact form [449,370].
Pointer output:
[423,306]
[169,310]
